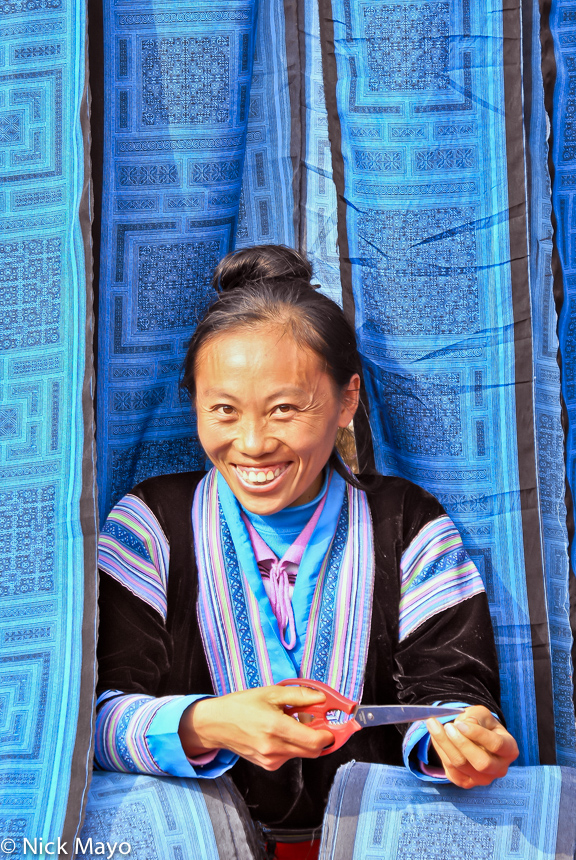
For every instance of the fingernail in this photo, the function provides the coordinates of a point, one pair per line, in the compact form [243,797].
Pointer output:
[451,731]
[462,727]
[433,726]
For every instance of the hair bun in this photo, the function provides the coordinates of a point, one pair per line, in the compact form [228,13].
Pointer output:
[260,263]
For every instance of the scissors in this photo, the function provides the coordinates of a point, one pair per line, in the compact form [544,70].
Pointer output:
[361,715]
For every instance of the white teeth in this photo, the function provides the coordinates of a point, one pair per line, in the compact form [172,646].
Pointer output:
[260,477]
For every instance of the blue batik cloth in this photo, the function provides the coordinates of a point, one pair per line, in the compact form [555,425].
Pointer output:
[47,492]
[186,819]
[379,811]
[177,84]
[449,287]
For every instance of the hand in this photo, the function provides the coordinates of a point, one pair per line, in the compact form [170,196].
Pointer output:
[252,723]
[475,749]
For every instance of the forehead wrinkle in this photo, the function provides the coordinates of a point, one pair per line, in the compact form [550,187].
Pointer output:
[233,375]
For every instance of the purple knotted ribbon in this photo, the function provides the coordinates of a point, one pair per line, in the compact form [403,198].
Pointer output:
[279,581]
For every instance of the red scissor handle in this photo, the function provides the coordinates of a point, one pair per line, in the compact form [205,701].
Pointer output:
[335,701]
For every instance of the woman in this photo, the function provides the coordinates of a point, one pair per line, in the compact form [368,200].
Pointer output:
[280,563]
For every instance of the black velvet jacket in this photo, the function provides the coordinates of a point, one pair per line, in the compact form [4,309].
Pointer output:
[451,657]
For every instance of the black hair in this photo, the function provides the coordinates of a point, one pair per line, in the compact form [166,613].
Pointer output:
[260,263]
[272,284]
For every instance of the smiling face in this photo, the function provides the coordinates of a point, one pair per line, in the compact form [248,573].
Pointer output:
[268,414]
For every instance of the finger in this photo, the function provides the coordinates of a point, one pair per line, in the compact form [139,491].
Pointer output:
[283,738]
[480,715]
[467,780]
[480,759]
[497,741]
[296,696]
[455,751]
[289,751]
[301,737]
[448,752]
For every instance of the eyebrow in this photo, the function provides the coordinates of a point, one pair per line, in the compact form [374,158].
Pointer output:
[217,392]
[290,391]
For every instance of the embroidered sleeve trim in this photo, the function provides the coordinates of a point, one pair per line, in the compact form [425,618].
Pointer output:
[120,737]
[139,734]
[134,550]
[436,574]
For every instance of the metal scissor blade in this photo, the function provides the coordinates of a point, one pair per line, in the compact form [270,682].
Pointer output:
[381,715]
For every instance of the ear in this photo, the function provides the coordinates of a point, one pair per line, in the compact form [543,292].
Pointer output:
[349,399]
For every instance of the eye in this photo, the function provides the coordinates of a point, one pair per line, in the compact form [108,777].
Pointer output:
[284,408]
[224,409]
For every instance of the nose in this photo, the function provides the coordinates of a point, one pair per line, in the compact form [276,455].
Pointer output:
[253,439]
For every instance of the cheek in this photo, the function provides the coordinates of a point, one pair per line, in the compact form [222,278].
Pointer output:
[311,438]
[211,432]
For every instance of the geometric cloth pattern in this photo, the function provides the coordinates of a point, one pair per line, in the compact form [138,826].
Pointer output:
[177,96]
[184,819]
[432,214]
[560,59]
[266,208]
[380,811]
[403,146]
[47,492]
[358,133]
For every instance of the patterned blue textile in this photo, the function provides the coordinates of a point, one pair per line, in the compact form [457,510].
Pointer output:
[47,497]
[320,229]
[549,441]
[380,811]
[432,200]
[395,168]
[376,137]
[562,24]
[267,199]
[183,819]
[177,98]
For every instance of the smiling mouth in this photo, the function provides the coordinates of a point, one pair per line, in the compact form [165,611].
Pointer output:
[261,477]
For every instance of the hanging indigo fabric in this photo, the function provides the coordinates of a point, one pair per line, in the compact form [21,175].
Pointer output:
[47,492]
[427,137]
[267,199]
[558,66]
[549,446]
[403,148]
[177,93]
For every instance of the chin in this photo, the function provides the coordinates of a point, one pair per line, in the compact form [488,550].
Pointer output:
[262,506]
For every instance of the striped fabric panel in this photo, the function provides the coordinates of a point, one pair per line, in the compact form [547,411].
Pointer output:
[218,608]
[437,573]
[120,737]
[311,643]
[229,613]
[346,603]
[359,605]
[134,550]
